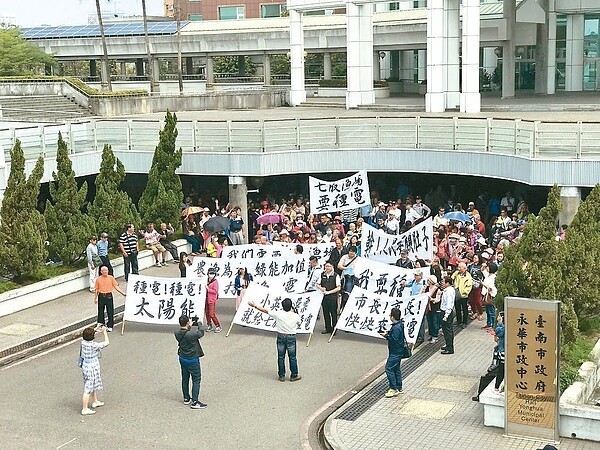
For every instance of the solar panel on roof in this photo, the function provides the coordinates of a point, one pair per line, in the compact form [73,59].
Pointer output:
[112,30]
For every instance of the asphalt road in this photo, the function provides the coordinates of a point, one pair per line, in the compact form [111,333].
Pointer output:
[248,408]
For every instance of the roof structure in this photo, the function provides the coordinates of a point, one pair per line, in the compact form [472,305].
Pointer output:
[92,31]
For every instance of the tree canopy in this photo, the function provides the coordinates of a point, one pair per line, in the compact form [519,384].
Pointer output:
[69,227]
[163,203]
[22,227]
[112,208]
[20,57]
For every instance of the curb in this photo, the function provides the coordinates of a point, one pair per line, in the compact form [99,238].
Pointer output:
[312,436]
[52,339]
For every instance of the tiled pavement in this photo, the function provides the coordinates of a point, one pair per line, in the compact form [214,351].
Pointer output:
[436,411]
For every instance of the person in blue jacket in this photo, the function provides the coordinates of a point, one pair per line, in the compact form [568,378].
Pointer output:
[395,338]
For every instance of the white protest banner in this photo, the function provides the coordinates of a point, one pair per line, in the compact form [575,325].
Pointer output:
[381,278]
[341,195]
[321,251]
[383,247]
[368,313]
[163,300]
[257,251]
[307,306]
[288,273]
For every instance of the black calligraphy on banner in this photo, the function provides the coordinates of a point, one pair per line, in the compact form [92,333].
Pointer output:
[381,279]
[379,246]
[306,305]
[369,313]
[163,300]
[341,195]
[249,251]
[288,273]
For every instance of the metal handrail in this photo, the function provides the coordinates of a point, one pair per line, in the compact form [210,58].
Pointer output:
[522,138]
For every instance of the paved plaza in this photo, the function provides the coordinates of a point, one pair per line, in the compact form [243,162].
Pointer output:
[248,407]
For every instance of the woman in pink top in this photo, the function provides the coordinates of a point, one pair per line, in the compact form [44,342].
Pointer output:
[212,295]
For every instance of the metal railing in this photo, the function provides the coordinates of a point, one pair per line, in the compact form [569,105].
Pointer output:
[533,140]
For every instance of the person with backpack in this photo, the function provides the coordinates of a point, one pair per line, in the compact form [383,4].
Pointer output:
[447,309]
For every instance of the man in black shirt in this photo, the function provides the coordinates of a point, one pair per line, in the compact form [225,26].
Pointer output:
[190,352]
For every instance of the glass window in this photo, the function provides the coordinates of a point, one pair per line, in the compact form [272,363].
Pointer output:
[272,10]
[194,17]
[232,12]
[591,47]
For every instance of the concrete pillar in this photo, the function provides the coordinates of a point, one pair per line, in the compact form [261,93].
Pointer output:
[570,197]
[422,65]
[327,66]
[395,65]
[189,65]
[508,50]
[267,69]
[574,66]
[210,71]
[139,67]
[408,62]
[241,66]
[541,55]
[490,60]
[452,27]
[470,98]
[156,72]
[123,67]
[297,88]
[551,76]
[238,196]
[434,99]
[93,68]
[359,43]
[376,66]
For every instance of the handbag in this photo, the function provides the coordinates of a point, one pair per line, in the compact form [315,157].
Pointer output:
[80,361]
[96,260]
[488,299]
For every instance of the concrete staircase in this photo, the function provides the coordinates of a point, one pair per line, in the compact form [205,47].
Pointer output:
[41,108]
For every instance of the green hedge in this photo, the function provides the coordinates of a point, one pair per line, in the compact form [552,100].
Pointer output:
[80,85]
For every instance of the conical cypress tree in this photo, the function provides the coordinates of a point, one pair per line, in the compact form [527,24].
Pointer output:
[166,160]
[69,229]
[112,208]
[581,256]
[540,258]
[22,227]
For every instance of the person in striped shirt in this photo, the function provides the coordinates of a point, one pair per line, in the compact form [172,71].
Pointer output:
[128,244]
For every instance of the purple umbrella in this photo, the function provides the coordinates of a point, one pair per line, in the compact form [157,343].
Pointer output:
[270,217]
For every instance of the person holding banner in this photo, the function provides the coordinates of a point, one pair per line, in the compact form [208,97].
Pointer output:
[346,265]
[330,286]
[190,351]
[286,323]
[242,280]
[396,342]
[212,295]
